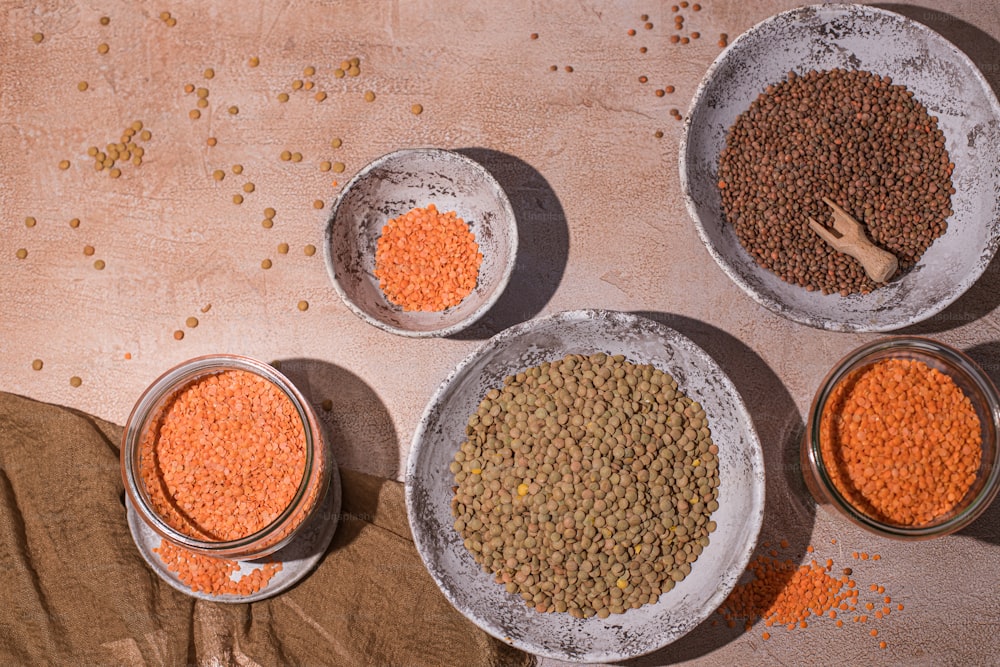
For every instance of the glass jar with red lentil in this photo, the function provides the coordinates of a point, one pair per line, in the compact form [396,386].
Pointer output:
[903,439]
[224,457]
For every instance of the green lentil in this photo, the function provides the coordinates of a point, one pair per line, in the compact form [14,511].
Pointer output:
[553,493]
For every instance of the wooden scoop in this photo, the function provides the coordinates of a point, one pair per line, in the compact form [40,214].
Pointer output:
[847,235]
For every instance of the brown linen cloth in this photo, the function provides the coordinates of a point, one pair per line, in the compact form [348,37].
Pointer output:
[75,589]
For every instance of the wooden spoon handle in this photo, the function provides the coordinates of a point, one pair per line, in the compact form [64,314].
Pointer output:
[879,264]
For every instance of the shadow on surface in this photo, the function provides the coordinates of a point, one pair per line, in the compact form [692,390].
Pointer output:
[982,49]
[542,246]
[987,527]
[362,434]
[789,511]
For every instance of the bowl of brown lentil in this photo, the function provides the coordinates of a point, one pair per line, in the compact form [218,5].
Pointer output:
[587,486]
[871,110]
[902,439]
[421,242]
[223,457]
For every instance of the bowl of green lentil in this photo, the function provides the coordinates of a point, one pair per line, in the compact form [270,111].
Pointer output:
[872,110]
[401,230]
[587,486]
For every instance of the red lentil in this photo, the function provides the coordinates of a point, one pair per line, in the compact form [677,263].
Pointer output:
[206,574]
[225,458]
[902,442]
[426,260]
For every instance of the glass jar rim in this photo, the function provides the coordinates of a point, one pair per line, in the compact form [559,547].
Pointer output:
[166,386]
[954,359]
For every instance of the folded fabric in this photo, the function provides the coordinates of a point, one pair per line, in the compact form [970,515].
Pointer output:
[76,590]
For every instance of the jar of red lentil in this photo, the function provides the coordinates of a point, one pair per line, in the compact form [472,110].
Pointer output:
[902,439]
[223,456]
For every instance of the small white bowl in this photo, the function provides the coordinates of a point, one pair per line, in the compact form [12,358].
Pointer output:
[391,186]
[822,37]
[557,635]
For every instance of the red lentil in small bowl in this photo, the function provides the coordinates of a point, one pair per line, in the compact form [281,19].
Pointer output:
[222,456]
[421,242]
[902,439]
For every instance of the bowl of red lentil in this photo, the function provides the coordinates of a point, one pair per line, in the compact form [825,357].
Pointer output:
[871,110]
[587,486]
[223,457]
[902,439]
[421,242]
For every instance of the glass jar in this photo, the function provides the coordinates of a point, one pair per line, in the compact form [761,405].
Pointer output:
[147,412]
[973,382]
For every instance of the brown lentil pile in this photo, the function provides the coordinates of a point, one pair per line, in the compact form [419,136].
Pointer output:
[852,136]
[586,485]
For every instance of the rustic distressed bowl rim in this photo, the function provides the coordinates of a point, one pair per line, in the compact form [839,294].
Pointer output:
[886,322]
[507,213]
[728,576]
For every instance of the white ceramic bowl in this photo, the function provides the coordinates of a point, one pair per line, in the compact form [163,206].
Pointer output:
[941,77]
[392,185]
[558,635]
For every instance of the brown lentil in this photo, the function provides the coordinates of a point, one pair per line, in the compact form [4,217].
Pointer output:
[303,305]
[191,322]
[74,223]
[75,381]
[29,221]
[37,364]
[586,485]
[102,48]
[82,86]
[863,142]
[283,248]
[309,250]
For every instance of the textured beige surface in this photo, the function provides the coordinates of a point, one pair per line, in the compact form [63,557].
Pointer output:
[602,219]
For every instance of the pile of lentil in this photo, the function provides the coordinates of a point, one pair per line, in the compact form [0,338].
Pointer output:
[427,260]
[901,441]
[225,457]
[782,592]
[205,574]
[586,485]
[852,136]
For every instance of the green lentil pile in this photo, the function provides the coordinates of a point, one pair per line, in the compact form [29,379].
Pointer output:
[854,137]
[586,485]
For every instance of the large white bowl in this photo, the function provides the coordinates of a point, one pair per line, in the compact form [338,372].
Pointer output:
[941,77]
[473,592]
[389,187]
